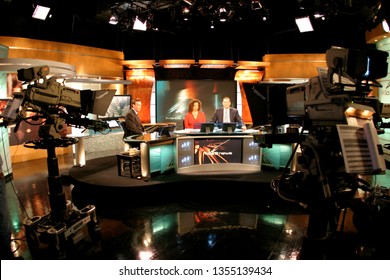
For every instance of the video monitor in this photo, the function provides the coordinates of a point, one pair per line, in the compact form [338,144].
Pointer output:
[118,108]
[217,150]
[3,105]
[92,101]
[356,65]
[166,130]
[10,108]
[207,127]
[229,127]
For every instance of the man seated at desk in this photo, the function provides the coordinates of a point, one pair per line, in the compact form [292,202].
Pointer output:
[227,114]
[132,121]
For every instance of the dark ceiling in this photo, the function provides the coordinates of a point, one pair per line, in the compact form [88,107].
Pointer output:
[244,36]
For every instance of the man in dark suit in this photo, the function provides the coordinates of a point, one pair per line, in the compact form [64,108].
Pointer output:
[227,114]
[132,121]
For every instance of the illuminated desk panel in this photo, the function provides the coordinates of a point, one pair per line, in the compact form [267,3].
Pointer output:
[217,153]
[157,153]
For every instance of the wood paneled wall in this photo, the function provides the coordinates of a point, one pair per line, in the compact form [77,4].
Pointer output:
[88,61]
[293,66]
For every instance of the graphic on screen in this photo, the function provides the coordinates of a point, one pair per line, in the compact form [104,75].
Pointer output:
[217,151]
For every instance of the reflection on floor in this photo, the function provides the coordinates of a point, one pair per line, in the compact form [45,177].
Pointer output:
[247,222]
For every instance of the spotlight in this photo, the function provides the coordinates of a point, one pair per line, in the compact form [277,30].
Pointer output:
[189,2]
[186,12]
[385,26]
[222,14]
[256,5]
[40,12]
[113,20]
[320,16]
[304,24]
[139,24]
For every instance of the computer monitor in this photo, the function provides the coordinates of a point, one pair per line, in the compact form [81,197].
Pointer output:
[207,127]
[166,130]
[118,107]
[229,127]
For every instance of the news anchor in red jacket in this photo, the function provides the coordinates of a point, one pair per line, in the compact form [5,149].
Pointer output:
[227,114]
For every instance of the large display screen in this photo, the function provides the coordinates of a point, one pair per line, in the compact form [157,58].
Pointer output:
[172,97]
[217,150]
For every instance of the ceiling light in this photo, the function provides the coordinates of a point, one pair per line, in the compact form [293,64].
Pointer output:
[113,20]
[319,16]
[304,24]
[139,24]
[214,66]
[186,12]
[40,12]
[222,14]
[189,2]
[256,5]
[177,65]
[385,26]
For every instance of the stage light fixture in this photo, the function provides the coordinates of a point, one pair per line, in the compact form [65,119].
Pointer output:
[222,14]
[320,16]
[256,5]
[189,2]
[139,24]
[113,20]
[41,12]
[186,12]
[385,26]
[304,24]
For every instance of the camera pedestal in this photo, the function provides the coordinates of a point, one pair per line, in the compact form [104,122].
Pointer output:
[60,238]
[62,231]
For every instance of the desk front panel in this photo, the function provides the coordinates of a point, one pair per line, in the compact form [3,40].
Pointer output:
[217,154]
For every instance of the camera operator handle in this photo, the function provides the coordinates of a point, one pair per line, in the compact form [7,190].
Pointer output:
[17,126]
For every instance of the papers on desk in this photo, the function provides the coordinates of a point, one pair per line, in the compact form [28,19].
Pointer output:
[251,131]
[216,131]
[186,131]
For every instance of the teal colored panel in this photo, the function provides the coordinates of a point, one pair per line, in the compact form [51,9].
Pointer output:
[277,156]
[162,158]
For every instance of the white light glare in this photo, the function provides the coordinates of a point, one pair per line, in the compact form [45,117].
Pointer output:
[139,25]
[385,26]
[113,20]
[40,12]
[304,24]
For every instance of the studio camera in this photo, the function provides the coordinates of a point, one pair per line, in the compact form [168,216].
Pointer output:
[57,106]
[45,98]
[337,143]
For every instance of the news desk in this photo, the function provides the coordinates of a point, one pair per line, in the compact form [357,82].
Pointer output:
[157,152]
[217,152]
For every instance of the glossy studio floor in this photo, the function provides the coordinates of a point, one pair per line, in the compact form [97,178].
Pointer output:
[230,217]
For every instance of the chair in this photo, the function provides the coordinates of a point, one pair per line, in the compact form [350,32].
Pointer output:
[126,133]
